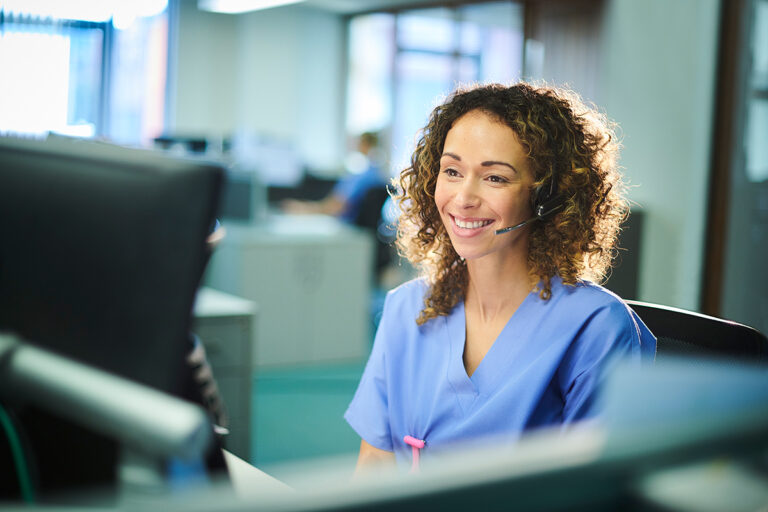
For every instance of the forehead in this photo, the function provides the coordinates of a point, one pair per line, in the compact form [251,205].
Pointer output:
[483,135]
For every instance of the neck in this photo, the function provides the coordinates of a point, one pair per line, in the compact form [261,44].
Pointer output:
[497,288]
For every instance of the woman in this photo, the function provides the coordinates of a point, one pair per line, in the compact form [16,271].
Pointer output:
[511,208]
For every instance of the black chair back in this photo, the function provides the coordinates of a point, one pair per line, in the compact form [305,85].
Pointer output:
[680,332]
[369,218]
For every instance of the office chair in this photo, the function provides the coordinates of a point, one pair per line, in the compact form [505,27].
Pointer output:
[369,218]
[683,333]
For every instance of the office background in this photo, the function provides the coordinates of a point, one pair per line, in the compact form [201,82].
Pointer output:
[279,79]
[652,66]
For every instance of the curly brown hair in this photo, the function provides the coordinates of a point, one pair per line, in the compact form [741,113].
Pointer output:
[563,138]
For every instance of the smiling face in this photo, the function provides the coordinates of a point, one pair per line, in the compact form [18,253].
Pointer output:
[484,185]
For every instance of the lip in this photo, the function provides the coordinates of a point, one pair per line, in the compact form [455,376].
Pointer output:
[469,232]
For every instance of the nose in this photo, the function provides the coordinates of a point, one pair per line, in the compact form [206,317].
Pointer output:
[466,195]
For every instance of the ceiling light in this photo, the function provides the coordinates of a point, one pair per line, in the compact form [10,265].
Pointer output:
[238,6]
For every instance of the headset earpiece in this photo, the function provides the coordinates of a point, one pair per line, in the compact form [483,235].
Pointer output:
[549,207]
[544,201]
[545,198]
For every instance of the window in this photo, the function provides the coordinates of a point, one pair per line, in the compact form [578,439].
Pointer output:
[83,68]
[757,110]
[400,64]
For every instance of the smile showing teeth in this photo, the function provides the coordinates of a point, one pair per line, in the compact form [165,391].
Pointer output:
[471,225]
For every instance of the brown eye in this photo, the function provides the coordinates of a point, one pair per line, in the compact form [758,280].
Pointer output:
[451,172]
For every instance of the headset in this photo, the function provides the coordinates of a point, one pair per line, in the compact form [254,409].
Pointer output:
[546,201]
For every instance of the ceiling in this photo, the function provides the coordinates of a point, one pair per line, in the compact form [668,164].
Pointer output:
[357,6]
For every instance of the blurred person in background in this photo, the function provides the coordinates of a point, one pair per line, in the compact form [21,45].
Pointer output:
[345,201]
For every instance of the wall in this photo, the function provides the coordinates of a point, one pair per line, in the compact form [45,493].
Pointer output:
[658,79]
[280,72]
[292,79]
[206,72]
[277,73]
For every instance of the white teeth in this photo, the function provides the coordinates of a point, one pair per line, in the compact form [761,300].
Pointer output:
[472,225]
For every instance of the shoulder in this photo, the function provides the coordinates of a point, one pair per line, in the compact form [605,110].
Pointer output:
[398,333]
[402,307]
[586,310]
[588,299]
[409,295]
[603,317]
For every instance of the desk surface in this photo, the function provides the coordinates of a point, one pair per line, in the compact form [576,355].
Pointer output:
[214,303]
[282,228]
[249,481]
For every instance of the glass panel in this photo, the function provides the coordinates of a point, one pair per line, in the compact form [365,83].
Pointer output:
[760,46]
[757,135]
[499,28]
[62,91]
[422,80]
[468,69]
[507,15]
[84,81]
[100,11]
[427,29]
[502,56]
[85,10]
[369,85]
[436,48]
[471,38]
[139,66]
[743,297]
[47,70]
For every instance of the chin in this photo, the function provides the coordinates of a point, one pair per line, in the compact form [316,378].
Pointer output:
[468,255]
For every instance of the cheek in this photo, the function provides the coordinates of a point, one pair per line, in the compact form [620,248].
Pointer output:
[522,201]
[513,205]
[440,196]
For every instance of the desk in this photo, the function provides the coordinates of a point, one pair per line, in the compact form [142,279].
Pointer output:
[224,324]
[311,278]
[249,481]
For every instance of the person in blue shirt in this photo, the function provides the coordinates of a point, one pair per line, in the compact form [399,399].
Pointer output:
[510,208]
[346,198]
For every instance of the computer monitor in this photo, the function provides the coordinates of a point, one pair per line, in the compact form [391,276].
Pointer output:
[244,198]
[101,251]
[683,434]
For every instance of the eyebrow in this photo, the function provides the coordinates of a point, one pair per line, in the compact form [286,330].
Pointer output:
[487,163]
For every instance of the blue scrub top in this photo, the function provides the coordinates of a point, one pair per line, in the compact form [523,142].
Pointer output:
[542,370]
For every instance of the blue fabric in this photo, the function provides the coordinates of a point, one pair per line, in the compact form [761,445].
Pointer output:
[351,189]
[543,369]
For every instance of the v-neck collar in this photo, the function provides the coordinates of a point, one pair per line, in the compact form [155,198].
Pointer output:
[490,368]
